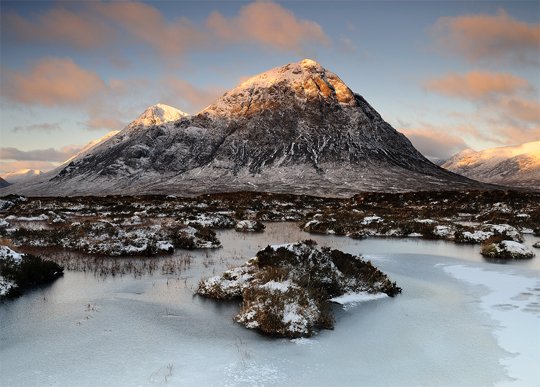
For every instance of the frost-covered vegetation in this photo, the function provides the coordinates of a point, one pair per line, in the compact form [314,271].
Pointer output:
[462,217]
[21,272]
[286,289]
[151,225]
[249,226]
[502,248]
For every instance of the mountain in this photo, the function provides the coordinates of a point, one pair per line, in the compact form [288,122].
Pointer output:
[21,175]
[296,128]
[512,165]
[3,183]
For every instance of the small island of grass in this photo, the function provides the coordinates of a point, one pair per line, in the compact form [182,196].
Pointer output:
[286,290]
[21,272]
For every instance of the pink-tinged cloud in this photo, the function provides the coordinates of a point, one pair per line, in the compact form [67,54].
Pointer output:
[105,113]
[112,24]
[267,23]
[50,82]
[187,97]
[104,122]
[148,25]
[81,30]
[519,135]
[477,85]
[489,37]
[520,109]
[433,143]
[507,105]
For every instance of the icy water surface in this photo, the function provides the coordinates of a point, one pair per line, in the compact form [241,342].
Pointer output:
[460,321]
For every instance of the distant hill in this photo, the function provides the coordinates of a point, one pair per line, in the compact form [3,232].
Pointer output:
[21,175]
[512,165]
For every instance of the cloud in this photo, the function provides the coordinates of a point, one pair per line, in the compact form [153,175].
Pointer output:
[81,30]
[101,120]
[148,25]
[476,85]
[188,97]
[50,154]
[518,135]
[44,127]
[507,107]
[100,24]
[14,166]
[51,82]
[520,109]
[267,23]
[59,82]
[484,37]
[433,143]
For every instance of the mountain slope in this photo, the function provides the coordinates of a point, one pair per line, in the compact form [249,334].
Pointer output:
[90,146]
[296,128]
[513,165]
[40,183]
[3,183]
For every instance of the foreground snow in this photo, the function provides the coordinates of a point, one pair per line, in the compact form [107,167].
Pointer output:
[515,310]
[355,298]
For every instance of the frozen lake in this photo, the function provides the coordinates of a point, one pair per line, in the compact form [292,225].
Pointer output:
[460,321]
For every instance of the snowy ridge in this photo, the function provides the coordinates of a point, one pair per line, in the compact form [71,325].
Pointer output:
[296,128]
[513,165]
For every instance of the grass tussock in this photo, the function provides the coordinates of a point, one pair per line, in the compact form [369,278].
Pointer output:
[286,290]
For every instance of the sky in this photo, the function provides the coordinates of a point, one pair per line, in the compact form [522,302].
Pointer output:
[448,74]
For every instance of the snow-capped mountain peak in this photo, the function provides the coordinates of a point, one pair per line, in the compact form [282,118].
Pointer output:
[307,80]
[158,114]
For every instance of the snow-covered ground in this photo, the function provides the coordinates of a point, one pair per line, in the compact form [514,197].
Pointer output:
[512,301]
[460,321]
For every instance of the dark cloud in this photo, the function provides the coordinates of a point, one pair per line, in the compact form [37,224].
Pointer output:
[49,155]
[45,127]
